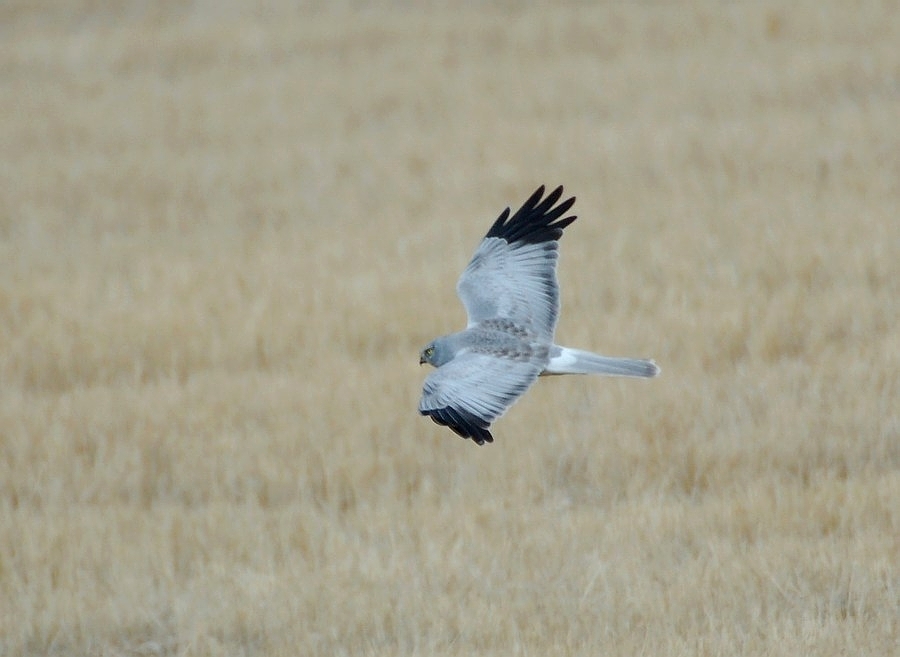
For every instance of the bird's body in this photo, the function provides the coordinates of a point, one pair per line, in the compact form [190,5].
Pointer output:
[503,339]
[511,296]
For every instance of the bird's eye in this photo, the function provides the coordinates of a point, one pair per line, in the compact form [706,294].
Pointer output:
[429,351]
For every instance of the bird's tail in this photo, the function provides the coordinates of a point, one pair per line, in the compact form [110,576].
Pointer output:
[564,360]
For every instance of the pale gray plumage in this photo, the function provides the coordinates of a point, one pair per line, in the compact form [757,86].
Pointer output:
[511,296]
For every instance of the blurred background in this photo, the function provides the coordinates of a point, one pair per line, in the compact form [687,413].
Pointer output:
[227,229]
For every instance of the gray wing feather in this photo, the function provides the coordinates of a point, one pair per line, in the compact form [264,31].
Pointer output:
[513,272]
[516,282]
[473,390]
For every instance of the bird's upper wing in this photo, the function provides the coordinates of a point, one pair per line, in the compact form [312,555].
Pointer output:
[473,390]
[513,272]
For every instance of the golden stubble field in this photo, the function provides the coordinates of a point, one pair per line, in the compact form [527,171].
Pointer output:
[226,233]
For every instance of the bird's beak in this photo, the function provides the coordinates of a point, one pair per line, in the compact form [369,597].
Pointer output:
[421,360]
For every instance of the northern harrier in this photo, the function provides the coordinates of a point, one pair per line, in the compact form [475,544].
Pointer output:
[511,296]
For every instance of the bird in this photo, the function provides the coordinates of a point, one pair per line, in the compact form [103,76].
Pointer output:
[511,295]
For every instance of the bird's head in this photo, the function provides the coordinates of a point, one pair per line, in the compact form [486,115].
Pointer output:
[439,351]
[427,355]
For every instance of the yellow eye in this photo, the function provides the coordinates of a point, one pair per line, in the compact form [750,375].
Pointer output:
[429,351]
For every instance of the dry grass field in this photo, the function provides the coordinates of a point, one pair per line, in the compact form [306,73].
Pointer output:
[225,234]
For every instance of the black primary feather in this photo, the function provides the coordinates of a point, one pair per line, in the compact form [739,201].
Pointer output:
[462,423]
[533,223]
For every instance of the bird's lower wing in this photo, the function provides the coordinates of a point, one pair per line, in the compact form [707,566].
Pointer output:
[473,390]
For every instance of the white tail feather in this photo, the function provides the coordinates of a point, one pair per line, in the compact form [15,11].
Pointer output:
[564,360]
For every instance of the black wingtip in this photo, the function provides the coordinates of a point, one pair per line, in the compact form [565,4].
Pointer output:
[461,423]
[536,221]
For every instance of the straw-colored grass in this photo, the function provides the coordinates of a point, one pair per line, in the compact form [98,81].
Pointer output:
[226,233]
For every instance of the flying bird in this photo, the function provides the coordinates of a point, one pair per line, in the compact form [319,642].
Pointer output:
[511,296]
